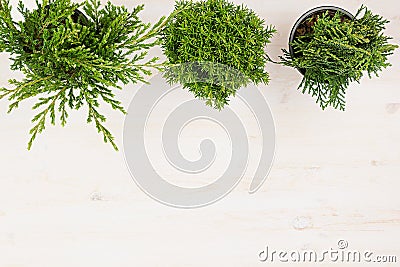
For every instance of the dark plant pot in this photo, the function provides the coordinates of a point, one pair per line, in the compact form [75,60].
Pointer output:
[309,14]
[79,17]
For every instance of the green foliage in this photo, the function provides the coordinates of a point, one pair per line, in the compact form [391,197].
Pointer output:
[219,32]
[70,61]
[338,52]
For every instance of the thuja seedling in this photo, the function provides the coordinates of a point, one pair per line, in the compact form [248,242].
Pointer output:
[71,60]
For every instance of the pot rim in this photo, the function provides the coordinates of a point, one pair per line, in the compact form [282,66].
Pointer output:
[308,14]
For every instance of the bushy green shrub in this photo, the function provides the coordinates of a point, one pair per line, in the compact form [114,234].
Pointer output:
[70,60]
[338,51]
[220,32]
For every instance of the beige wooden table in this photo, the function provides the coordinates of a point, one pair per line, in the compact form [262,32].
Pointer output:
[71,200]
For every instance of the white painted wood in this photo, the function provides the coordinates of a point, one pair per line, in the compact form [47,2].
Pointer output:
[71,200]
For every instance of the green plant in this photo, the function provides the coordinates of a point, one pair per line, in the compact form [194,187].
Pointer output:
[219,32]
[337,51]
[70,60]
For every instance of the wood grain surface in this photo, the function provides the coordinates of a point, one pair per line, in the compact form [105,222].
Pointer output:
[72,202]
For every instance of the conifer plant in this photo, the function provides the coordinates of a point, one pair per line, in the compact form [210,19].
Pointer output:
[71,60]
[219,40]
[332,49]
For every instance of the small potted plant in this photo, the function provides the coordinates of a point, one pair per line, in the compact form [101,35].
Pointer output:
[74,55]
[208,43]
[332,48]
